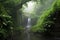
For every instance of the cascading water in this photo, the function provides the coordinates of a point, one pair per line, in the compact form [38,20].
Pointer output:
[28,23]
[27,29]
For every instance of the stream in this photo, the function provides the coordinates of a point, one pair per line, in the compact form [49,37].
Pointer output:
[27,35]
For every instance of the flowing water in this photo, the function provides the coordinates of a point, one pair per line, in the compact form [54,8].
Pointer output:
[27,35]
[27,29]
[31,36]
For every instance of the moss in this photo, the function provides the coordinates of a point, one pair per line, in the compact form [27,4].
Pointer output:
[42,18]
[19,28]
[58,3]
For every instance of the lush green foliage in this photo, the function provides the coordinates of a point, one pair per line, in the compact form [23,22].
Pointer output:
[44,19]
[5,22]
[9,16]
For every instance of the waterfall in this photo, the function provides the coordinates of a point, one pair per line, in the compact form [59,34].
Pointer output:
[28,23]
[27,36]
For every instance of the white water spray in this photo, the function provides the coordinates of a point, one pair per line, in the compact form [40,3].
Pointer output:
[28,23]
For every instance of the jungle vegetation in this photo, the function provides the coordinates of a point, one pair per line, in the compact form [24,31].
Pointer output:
[12,16]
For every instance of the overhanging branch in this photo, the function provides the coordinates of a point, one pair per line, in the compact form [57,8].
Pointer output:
[20,4]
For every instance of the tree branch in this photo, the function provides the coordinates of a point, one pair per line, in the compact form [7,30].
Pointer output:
[20,4]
